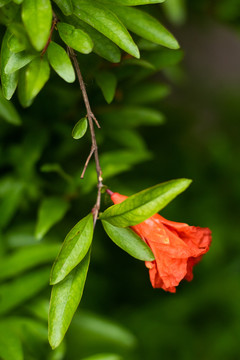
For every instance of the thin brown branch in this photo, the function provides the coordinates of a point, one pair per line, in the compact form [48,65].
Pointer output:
[94,148]
[54,22]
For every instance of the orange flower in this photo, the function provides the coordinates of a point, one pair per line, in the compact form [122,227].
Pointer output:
[177,247]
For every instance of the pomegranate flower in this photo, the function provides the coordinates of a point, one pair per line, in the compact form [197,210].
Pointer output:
[177,247]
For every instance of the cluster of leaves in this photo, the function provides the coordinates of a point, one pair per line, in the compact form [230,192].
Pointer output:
[98,29]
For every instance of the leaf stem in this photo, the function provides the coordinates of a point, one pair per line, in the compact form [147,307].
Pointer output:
[94,148]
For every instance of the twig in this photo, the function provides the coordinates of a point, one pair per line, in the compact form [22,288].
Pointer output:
[94,147]
[54,22]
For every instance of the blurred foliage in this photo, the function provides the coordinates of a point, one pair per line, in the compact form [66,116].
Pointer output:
[120,314]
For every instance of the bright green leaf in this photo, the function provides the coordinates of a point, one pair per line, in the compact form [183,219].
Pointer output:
[74,249]
[37,18]
[27,258]
[32,79]
[80,128]
[144,204]
[18,61]
[51,211]
[146,26]
[128,241]
[107,82]
[101,44]
[75,38]
[65,299]
[15,45]
[106,22]
[65,6]
[8,81]
[60,62]
[8,111]
[22,289]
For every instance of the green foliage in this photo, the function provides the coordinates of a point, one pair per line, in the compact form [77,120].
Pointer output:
[80,128]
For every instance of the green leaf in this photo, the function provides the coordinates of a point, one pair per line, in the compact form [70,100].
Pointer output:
[144,204]
[18,61]
[19,38]
[75,38]
[106,22]
[146,93]
[14,293]
[104,357]
[51,211]
[132,2]
[128,241]
[9,81]
[8,111]
[74,249]
[107,82]
[32,79]
[132,116]
[65,6]
[4,2]
[80,128]
[27,258]
[10,199]
[10,345]
[101,44]
[146,26]
[15,45]
[60,62]
[65,299]
[37,18]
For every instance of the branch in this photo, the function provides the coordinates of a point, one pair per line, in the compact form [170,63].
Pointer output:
[94,148]
[54,22]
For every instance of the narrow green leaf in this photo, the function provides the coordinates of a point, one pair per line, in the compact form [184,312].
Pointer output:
[104,357]
[65,6]
[101,44]
[107,82]
[14,293]
[132,2]
[128,241]
[144,204]
[10,345]
[27,258]
[8,111]
[32,79]
[80,128]
[60,62]
[146,26]
[37,18]
[18,61]
[146,93]
[74,249]
[65,299]
[8,81]
[75,38]
[106,22]
[51,211]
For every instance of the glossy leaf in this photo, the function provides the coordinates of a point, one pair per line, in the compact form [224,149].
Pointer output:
[75,38]
[37,18]
[65,299]
[146,26]
[10,344]
[106,22]
[65,6]
[74,249]
[51,211]
[144,204]
[8,111]
[8,81]
[32,79]
[101,44]
[60,62]
[128,241]
[80,128]
[18,61]
[107,82]
[27,258]
[14,293]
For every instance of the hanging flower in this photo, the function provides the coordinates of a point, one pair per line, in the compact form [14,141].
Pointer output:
[177,247]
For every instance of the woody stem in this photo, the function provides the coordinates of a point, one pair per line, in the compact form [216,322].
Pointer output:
[94,148]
